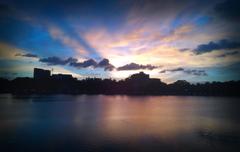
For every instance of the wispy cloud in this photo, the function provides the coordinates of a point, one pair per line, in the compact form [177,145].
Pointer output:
[58,34]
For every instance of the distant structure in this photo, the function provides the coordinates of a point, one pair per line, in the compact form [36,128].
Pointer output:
[41,73]
[141,76]
[62,77]
[46,74]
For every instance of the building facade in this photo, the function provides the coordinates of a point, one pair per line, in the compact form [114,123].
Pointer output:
[41,73]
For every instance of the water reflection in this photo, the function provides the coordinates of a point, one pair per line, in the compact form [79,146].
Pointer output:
[125,123]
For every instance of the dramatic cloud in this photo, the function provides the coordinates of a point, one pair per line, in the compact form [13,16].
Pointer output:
[132,34]
[186,71]
[57,61]
[211,46]
[134,66]
[26,55]
[228,54]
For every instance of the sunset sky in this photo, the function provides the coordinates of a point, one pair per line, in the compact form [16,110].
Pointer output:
[194,40]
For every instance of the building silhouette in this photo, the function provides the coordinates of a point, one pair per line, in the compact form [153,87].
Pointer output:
[46,74]
[41,73]
[62,77]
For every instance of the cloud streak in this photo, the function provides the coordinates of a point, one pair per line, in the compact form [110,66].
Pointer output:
[58,34]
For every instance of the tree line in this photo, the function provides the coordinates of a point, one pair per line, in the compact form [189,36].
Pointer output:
[127,86]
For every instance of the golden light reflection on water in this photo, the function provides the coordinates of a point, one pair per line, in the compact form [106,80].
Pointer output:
[160,117]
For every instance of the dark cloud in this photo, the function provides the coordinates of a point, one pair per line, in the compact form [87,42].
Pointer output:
[57,61]
[211,46]
[134,66]
[186,71]
[84,64]
[229,9]
[27,55]
[228,54]
[106,65]
[103,63]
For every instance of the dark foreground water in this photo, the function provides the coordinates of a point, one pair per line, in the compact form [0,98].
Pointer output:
[119,123]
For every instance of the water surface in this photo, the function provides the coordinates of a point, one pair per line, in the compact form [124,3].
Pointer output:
[118,123]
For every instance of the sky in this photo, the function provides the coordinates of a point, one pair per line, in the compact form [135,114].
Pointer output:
[193,40]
